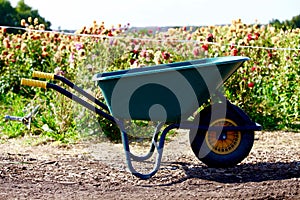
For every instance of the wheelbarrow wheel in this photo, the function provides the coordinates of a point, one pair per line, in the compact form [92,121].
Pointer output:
[226,148]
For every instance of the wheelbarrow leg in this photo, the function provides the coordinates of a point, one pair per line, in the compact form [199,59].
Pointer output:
[152,146]
[159,147]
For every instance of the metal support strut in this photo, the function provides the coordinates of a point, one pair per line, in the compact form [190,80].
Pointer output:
[159,147]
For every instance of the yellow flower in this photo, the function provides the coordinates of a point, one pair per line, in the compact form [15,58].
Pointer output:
[263,28]
[23,47]
[272,29]
[23,22]
[232,28]
[36,21]
[275,39]
[37,36]
[62,47]
[297,30]
[29,19]
[44,43]
[41,27]
[81,52]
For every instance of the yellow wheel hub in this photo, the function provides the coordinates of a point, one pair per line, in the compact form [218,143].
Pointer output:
[223,142]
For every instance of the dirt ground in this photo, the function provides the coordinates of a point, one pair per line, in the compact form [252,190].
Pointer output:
[97,170]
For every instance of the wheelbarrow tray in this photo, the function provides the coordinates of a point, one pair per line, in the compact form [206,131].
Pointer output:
[166,92]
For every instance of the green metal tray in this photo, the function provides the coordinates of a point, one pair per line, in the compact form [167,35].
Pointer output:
[166,92]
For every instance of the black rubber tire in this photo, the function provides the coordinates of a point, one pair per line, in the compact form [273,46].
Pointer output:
[199,143]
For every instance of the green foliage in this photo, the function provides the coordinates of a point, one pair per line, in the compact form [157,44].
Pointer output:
[14,104]
[266,87]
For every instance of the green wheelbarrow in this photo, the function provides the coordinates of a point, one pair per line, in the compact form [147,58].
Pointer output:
[221,134]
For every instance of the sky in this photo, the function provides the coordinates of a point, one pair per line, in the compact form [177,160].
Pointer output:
[74,14]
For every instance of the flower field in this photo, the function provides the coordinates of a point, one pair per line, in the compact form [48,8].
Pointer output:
[267,87]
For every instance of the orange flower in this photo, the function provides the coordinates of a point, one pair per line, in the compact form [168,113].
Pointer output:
[45,54]
[6,43]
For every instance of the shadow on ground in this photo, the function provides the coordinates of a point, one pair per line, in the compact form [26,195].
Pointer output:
[258,172]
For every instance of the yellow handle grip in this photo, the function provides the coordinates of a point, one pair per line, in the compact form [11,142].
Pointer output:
[34,83]
[38,74]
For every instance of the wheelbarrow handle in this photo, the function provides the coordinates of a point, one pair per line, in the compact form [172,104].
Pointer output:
[51,76]
[45,85]
[34,83]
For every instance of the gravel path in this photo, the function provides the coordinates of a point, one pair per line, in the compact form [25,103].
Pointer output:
[93,170]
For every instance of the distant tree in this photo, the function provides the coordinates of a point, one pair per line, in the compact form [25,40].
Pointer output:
[287,24]
[276,23]
[11,16]
[7,13]
[296,21]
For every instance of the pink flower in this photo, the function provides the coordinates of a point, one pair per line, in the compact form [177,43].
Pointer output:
[232,45]
[58,71]
[143,53]
[249,37]
[196,51]
[78,46]
[71,58]
[210,37]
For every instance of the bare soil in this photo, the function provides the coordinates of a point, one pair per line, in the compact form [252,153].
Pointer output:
[97,170]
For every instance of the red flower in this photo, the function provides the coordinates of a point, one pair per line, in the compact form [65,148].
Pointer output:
[256,35]
[132,61]
[253,68]
[109,34]
[251,84]
[234,52]
[205,47]
[135,51]
[3,30]
[270,55]
[165,55]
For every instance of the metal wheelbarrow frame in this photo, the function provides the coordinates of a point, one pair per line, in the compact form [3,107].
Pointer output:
[130,94]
